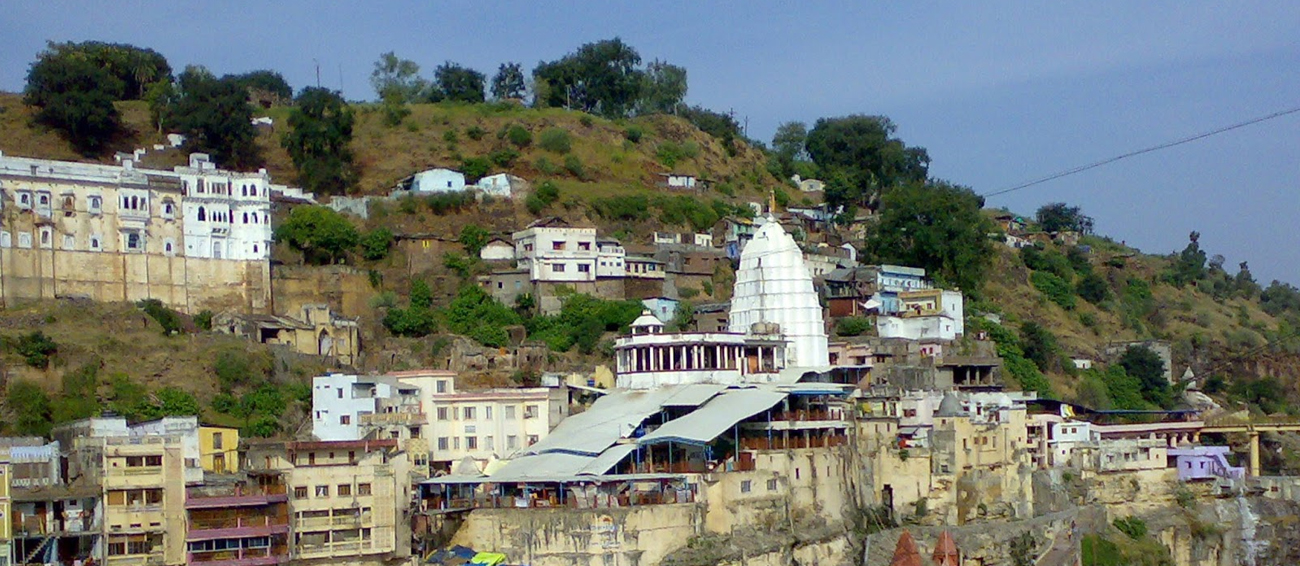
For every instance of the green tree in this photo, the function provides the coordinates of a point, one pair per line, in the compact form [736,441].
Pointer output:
[36,348]
[1189,266]
[788,142]
[376,243]
[663,86]
[75,97]
[473,237]
[161,97]
[176,402]
[318,141]
[1056,289]
[1143,364]
[509,83]
[869,161]
[455,83]
[31,407]
[323,235]
[215,117]
[170,320]
[1058,217]
[719,125]
[1039,346]
[265,86]
[937,226]
[600,78]
[1093,288]
[133,68]
[1244,283]
[397,80]
[555,140]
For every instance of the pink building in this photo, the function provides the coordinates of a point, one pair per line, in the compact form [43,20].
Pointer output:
[1204,462]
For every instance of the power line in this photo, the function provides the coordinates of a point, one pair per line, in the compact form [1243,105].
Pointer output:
[1166,145]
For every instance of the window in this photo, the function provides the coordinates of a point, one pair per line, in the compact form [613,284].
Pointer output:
[557,246]
[442,443]
[487,412]
[363,489]
[530,411]
[455,443]
[532,439]
[169,247]
[322,491]
[340,392]
[470,413]
[24,240]
[44,199]
[745,486]
[442,386]
[47,240]
[168,209]
[203,214]
[415,431]
[24,200]
[584,268]
[471,443]
[584,246]
[345,420]
[442,413]
[488,444]
[95,243]
[216,441]
[6,239]
[510,412]
[134,241]
[300,492]
[344,490]
[512,442]
[557,268]
[771,484]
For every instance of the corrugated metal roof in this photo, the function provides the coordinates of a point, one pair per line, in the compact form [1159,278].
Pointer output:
[613,417]
[715,417]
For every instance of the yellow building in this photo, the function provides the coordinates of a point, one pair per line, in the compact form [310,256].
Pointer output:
[219,449]
[6,527]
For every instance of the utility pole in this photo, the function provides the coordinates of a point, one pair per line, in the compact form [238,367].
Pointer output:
[317,72]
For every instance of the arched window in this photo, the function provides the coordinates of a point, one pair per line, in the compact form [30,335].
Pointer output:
[203,214]
[245,218]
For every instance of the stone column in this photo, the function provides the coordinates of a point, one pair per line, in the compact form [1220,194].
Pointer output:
[1254,453]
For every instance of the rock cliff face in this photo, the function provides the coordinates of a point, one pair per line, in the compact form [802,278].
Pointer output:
[1235,531]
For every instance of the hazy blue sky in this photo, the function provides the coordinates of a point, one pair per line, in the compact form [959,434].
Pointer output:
[999,94]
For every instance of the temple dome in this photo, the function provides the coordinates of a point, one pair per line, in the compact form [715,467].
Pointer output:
[773,286]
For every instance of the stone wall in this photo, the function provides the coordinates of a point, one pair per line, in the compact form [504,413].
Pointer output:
[345,289]
[186,284]
[628,536]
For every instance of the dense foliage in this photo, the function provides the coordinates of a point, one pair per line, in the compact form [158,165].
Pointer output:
[937,226]
[216,118]
[321,234]
[75,97]
[861,159]
[318,141]
[455,83]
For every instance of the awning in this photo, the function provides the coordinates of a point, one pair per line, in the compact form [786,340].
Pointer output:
[716,417]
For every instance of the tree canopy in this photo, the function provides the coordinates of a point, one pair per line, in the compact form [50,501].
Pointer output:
[134,68]
[1143,364]
[456,83]
[601,78]
[397,78]
[1058,216]
[323,235]
[216,118]
[509,82]
[75,96]
[938,226]
[265,86]
[663,88]
[862,154]
[318,141]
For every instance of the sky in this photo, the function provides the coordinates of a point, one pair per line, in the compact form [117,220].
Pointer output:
[999,93]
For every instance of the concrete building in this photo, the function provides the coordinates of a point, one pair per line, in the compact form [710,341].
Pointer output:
[241,523]
[1204,463]
[929,313]
[339,400]
[664,308]
[348,500]
[219,449]
[681,181]
[498,249]
[318,331]
[773,286]
[186,431]
[650,358]
[438,181]
[611,257]
[502,185]
[195,237]
[553,251]
[641,267]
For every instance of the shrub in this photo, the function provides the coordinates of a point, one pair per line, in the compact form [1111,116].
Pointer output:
[504,157]
[169,319]
[634,133]
[376,243]
[574,166]
[555,140]
[1093,288]
[176,402]
[204,319]
[411,322]
[36,349]
[386,299]
[690,149]
[475,133]
[534,205]
[626,207]
[548,192]
[450,136]
[546,166]
[475,168]
[852,326]
[519,136]
[669,153]
[1056,289]
[31,407]
[1132,526]
[442,203]
[586,120]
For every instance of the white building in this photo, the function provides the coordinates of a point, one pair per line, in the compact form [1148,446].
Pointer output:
[184,428]
[502,185]
[679,180]
[227,214]
[482,425]
[339,400]
[553,251]
[773,286]
[941,327]
[929,313]
[610,255]
[438,181]
[497,249]
[650,359]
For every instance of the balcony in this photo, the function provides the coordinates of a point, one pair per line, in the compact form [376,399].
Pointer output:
[257,496]
[50,524]
[397,418]
[155,559]
[236,527]
[335,522]
[244,557]
[335,548]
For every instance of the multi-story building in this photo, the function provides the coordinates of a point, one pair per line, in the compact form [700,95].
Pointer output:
[339,400]
[480,424]
[219,449]
[52,521]
[242,523]
[349,501]
[195,237]
[554,251]
[611,255]
[6,527]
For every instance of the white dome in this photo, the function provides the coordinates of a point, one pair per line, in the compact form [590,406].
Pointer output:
[773,285]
